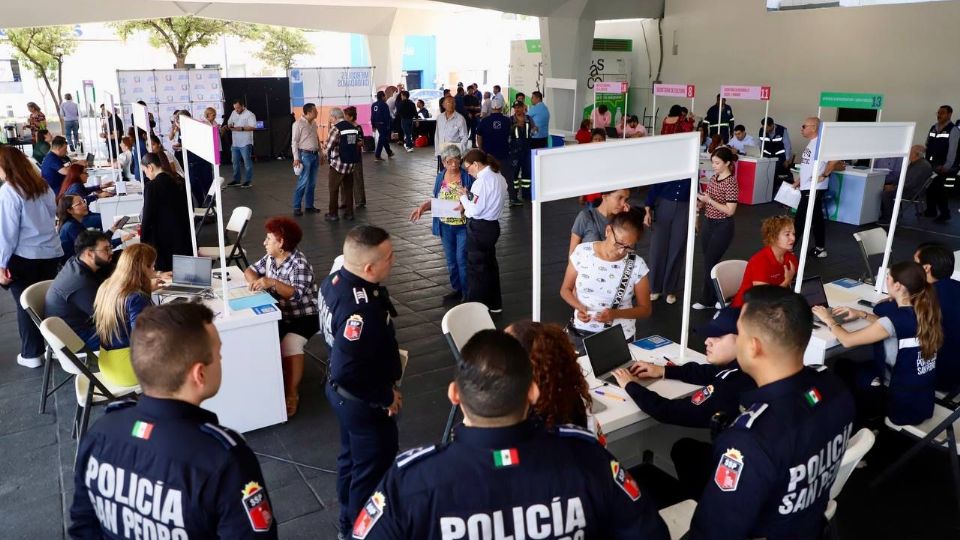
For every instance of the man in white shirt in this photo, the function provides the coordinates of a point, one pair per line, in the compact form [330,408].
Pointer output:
[241,124]
[451,129]
[71,121]
[740,139]
[482,206]
[306,145]
[486,107]
[810,130]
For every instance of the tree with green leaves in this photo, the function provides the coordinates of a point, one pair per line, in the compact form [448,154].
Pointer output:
[281,45]
[182,34]
[42,50]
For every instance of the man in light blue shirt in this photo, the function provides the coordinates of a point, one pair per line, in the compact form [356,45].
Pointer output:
[540,115]
[71,121]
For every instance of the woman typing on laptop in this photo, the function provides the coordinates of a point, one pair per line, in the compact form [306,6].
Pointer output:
[604,278]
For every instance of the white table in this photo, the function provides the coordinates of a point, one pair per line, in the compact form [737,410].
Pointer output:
[111,208]
[622,418]
[823,344]
[251,394]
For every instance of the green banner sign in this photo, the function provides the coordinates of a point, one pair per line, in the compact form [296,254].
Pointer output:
[851,101]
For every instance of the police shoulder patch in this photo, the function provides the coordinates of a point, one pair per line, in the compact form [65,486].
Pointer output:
[354,327]
[623,479]
[415,454]
[577,432]
[727,475]
[749,416]
[225,436]
[257,506]
[369,516]
[122,404]
[702,395]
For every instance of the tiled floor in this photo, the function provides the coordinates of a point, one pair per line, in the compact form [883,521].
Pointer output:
[36,467]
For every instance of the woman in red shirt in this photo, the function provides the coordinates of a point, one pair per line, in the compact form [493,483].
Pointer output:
[775,264]
[719,203]
[584,135]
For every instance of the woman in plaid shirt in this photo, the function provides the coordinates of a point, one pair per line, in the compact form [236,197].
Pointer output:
[286,274]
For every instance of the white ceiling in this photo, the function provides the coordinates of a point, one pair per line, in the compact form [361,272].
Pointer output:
[356,16]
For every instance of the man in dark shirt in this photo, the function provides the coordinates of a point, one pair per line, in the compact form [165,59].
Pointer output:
[939,264]
[72,293]
[55,163]
[472,106]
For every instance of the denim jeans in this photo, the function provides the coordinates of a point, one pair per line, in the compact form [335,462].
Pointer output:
[454,240]
[407,126]
[383,141]
[71,130]
[246,154]
[307,180]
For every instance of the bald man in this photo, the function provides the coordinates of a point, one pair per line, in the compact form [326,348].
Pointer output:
[356,317]
[810,130]
[919,171]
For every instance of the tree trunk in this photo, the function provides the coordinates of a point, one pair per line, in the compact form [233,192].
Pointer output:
[181,60]
[55,96]
[59,96]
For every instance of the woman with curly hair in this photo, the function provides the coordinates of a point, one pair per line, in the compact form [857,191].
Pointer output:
[564,393]
[775,263]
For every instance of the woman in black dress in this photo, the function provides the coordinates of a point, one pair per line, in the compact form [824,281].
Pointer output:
[165,222]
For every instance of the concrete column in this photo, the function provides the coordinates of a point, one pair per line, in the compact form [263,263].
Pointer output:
[386,55]
[566,40]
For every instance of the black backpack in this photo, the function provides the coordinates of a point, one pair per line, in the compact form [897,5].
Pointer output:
[349,138]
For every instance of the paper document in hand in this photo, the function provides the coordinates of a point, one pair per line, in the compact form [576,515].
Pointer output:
[788,195]
[441,208]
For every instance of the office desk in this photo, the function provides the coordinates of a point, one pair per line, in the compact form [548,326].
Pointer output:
[755,179]
[854,195]
[620,419]
[111,208]
[251,394]
[823,344]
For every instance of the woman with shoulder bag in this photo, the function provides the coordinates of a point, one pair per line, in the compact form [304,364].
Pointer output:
[603,279]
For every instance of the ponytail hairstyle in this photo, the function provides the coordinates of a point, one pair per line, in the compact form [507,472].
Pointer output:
[726,155]
[923,298]
[479,156]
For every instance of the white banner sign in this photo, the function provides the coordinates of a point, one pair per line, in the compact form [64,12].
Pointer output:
[755,93]
[353,82]
[200,138]
[617,87]
[674,90]
[140,117]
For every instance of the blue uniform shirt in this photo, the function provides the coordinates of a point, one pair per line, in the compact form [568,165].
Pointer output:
[722,387]
[948,359]
[380,115]
[513,482]
[50,170]
[911,379]
[495,131]
[356,319]
[777,461]
[540,115]
[163,468]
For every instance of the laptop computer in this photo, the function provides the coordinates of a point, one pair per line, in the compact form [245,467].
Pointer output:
[90,159]
[811,289]
[607,351]
[752,151]
[191,275]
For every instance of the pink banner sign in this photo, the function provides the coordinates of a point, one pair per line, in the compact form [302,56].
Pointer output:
[674,90]
[755,93]
[617,87]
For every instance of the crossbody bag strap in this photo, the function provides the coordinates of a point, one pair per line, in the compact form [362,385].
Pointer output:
[624,281]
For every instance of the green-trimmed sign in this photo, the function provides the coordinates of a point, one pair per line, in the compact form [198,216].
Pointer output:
[851,101]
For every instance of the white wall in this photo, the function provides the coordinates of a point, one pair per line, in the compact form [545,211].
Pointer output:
[906,52]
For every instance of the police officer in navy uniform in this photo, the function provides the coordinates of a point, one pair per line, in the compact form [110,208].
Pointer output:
[502,476]
[356,317]
[774,466]
[713,406]
[942,142]
[382,120]
[163,467]
[719,120]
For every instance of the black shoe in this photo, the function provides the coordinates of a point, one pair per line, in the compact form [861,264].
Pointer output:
[389,154]
[348,217]
[331,217]
[233,184]
[297,212]
[942,219]
[452,295]
[314,210]
[361,205]
[377,158]
[246,186]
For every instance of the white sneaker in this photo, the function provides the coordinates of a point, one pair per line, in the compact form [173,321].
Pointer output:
[654,297]
[699,306]
[819,253]
[671,299]
[409,149]
[718,305]
[31,363]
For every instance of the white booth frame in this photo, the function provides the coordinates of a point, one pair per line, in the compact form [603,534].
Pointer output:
[860,140]
[766,109]
[551,83]
[693,100]
[560,173]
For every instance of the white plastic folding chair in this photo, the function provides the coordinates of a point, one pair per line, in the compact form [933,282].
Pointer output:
[91,389]
[727,276]
[33,301]
[872,242]
[857,447]
[239,219]
[678,517]
[459,324]
[938,432]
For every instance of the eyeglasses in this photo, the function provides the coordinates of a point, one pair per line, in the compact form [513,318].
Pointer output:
[82,202]
[623,247]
